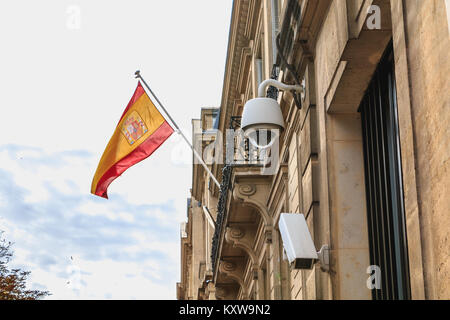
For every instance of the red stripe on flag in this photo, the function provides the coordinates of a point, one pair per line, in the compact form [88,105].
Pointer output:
[144,150]
[137,94]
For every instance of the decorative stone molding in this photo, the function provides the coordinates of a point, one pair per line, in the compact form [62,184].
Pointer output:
[247,189]
[233,271]
[255,272]
[236,232]
[268,234]
[250,195]
[239,237]
[229,266]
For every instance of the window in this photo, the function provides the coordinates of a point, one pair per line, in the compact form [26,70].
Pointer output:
[384,186]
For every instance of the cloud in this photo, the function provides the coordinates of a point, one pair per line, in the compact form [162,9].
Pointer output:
[57,123]
[115,237]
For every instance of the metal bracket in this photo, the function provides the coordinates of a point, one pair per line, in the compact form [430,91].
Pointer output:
[324,258]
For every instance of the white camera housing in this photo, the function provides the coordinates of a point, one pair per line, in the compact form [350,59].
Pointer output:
[298,244]
[262,113]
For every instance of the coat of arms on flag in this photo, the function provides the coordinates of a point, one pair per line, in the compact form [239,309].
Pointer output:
[133,127]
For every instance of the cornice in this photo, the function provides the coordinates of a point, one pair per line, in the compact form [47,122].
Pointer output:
[237,41]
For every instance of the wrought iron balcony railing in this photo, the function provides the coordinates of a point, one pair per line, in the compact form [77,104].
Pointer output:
[225,186]
[238,150]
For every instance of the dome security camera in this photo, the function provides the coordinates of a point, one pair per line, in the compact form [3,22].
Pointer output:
[262,115]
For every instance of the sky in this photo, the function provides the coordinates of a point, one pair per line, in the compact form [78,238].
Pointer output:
[66,75]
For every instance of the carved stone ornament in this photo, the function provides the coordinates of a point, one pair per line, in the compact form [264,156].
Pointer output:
[255,273]
[247,189]
[268,235]
[237,233]
[229,266]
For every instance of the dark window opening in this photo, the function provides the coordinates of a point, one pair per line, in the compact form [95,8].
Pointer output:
[384,186]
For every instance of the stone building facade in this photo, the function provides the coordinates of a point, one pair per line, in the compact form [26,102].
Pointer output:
[364,155]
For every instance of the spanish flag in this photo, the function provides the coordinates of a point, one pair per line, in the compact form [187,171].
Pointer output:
[140,131]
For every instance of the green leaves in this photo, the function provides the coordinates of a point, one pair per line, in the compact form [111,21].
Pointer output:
[13,282]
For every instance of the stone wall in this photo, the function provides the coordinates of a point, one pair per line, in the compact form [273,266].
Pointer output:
[426,37]
[322,169]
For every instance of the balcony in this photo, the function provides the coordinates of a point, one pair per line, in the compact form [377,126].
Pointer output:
[242,223]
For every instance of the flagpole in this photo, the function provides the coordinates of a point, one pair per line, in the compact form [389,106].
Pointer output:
[199,157]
